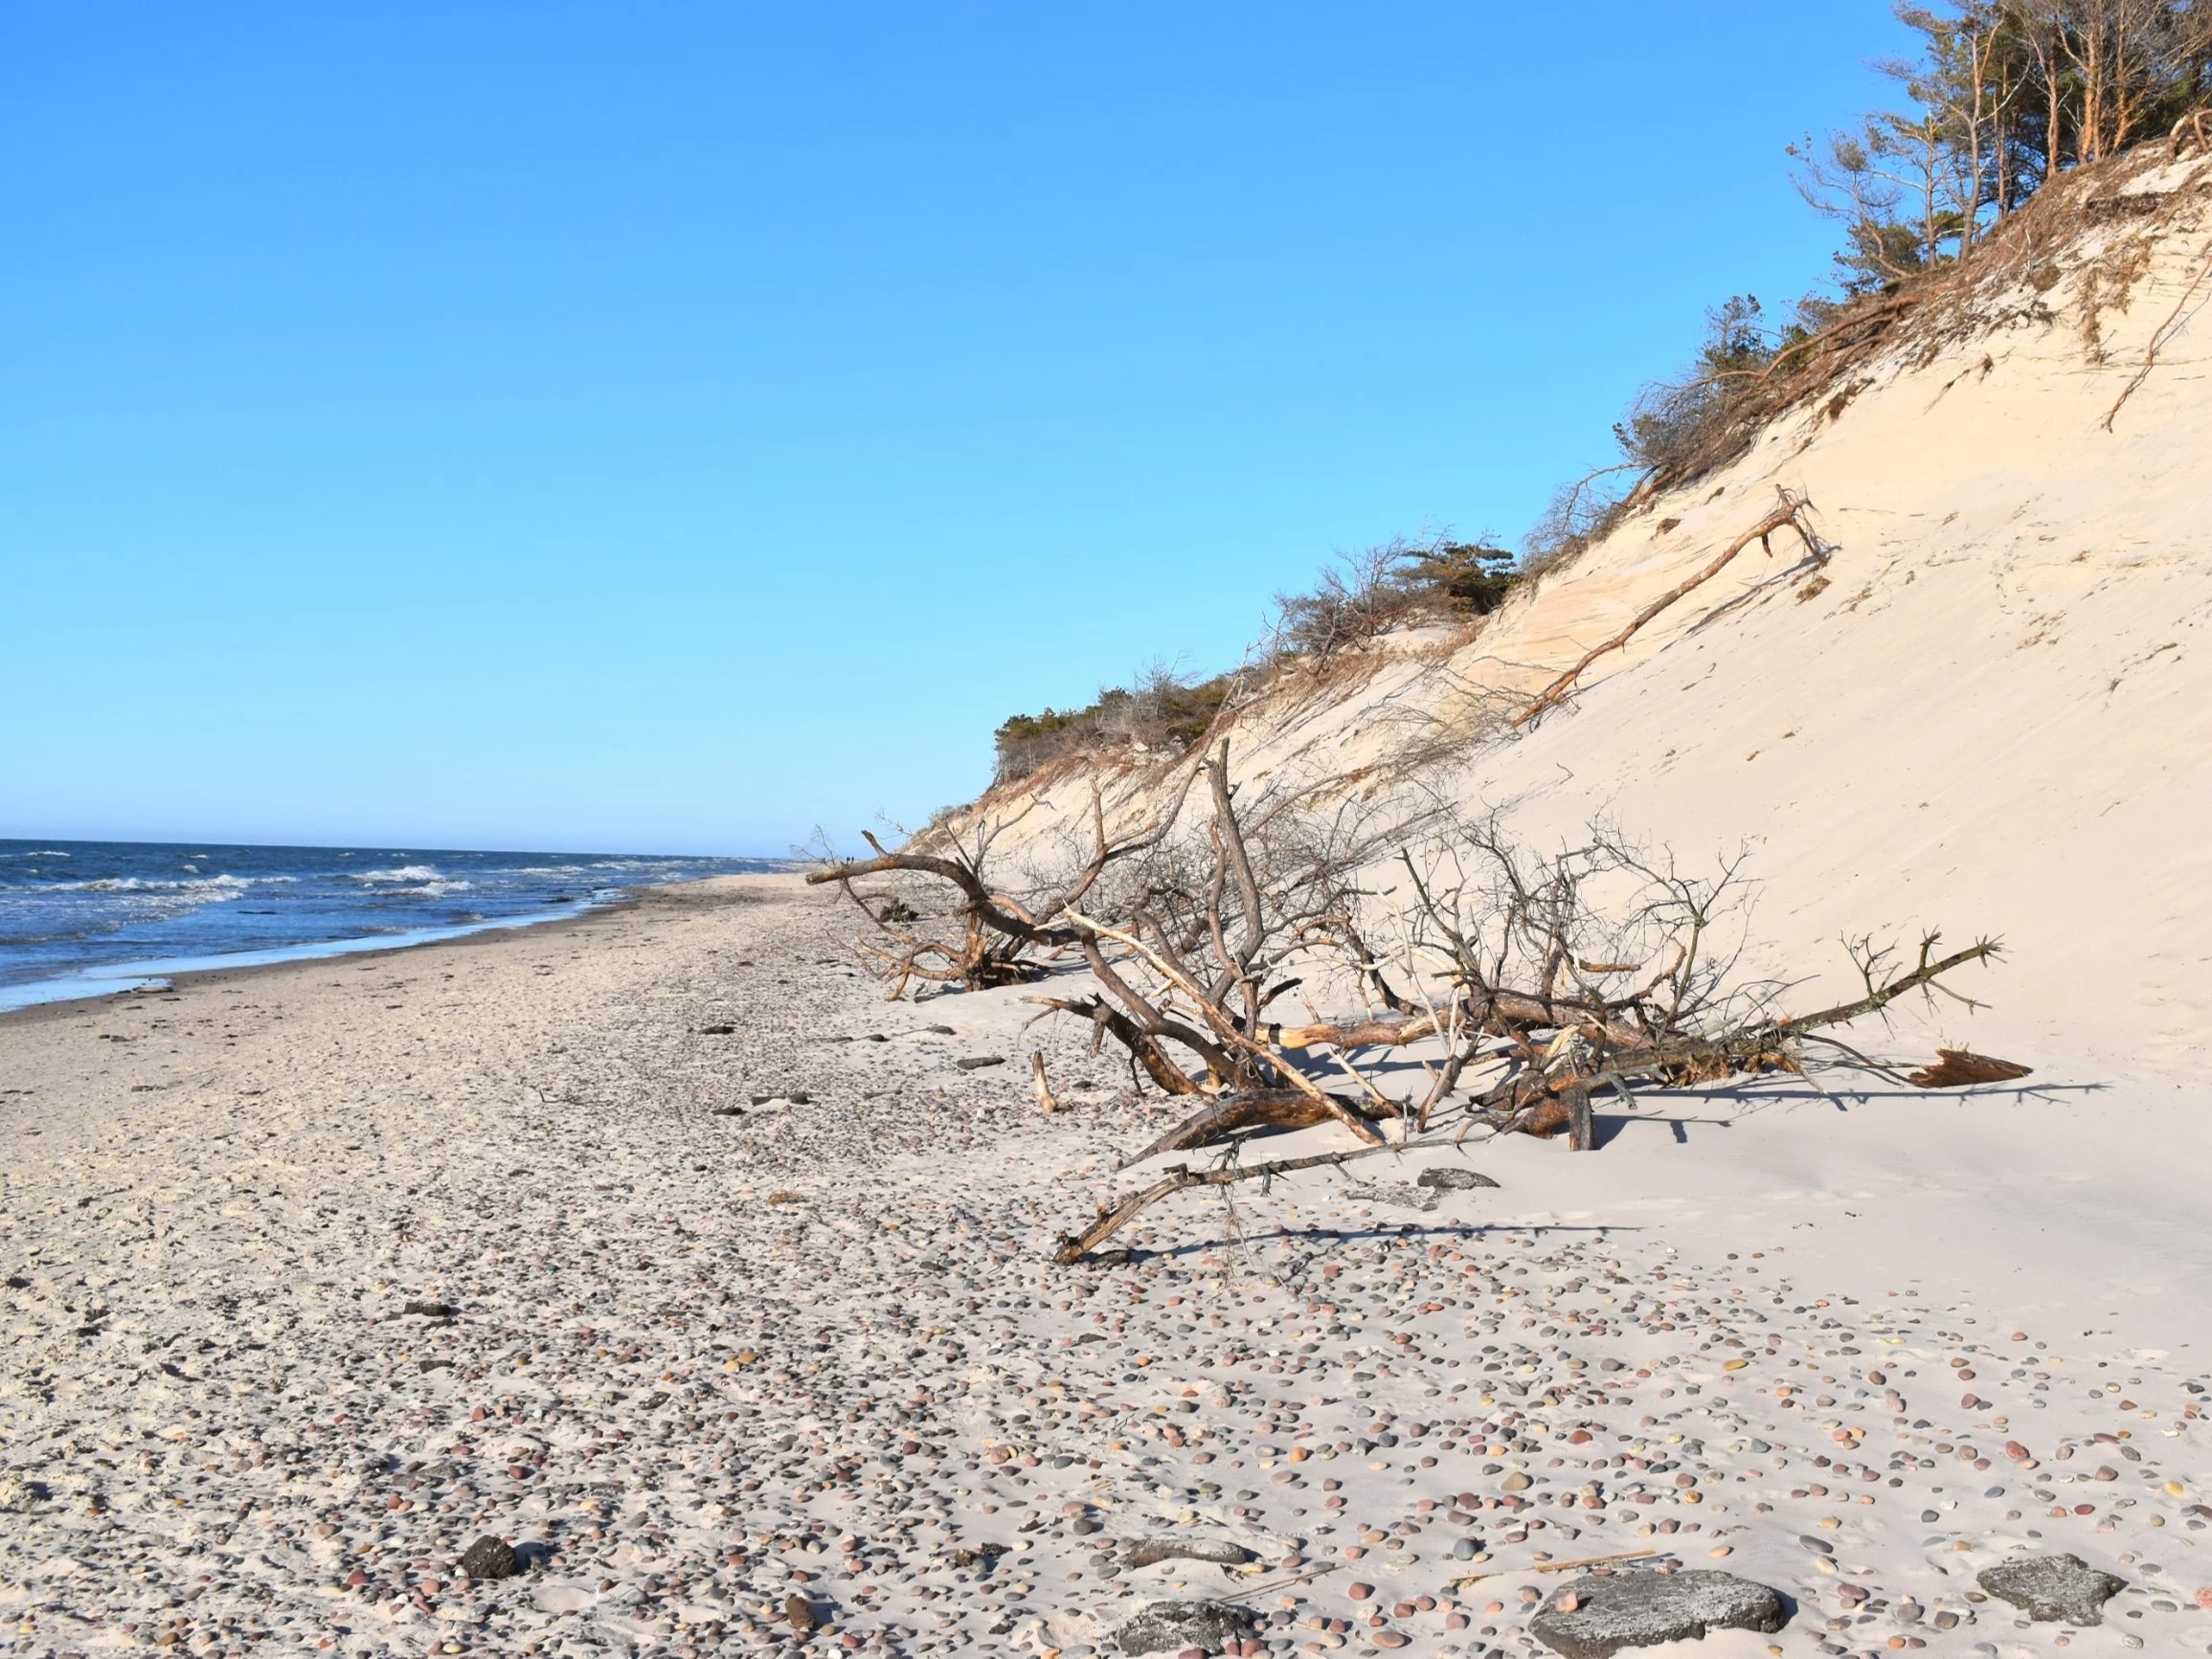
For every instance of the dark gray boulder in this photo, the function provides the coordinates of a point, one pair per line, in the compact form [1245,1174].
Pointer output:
[490,1557]
[2053,1589]
[1169,1627]
[1594,1618]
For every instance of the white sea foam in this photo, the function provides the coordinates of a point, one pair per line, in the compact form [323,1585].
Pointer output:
[214,888]
[404,873]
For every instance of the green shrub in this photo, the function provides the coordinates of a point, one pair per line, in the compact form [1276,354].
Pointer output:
[1162,711]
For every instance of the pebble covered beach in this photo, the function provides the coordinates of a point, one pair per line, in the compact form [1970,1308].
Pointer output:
[715,1292]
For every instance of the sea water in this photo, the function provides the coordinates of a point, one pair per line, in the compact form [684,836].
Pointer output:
[89,918]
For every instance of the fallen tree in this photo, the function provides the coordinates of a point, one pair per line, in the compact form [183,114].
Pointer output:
[1505,989]
[1187,932]
[1600,967]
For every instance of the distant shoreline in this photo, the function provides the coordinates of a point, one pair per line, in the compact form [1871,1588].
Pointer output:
[82,920]
[69,991]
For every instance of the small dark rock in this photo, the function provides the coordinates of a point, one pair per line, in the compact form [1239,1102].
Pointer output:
[1452,1181]
[729,1111]
[1170,1627]
[490,1557]
[17,1282]
[977,1062]
[941,1030]
[800,1611]
[1818,1546]
[718,1030]
[2053,1589]
[1641,1609]
[430,1309]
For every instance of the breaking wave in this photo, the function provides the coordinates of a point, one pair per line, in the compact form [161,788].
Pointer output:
[212,889]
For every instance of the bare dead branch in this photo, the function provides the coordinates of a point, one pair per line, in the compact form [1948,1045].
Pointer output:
[2163,333]
[1232,1114]
[1789,514]
[1180,1178]
[1225,1029]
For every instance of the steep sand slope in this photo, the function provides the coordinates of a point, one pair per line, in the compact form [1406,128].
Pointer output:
[1991,711]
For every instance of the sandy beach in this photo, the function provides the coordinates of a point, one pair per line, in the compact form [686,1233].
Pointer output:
[658,1247]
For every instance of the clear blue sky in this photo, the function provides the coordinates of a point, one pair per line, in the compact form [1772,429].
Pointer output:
[667,427]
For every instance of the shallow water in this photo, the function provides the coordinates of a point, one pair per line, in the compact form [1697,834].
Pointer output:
[77,918]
